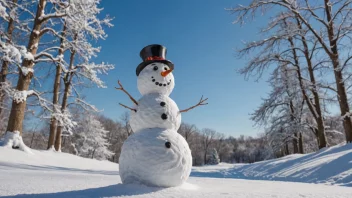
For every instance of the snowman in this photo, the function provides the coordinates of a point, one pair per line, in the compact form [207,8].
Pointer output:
[155,155]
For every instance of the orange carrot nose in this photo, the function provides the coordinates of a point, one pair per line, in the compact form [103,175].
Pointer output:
[165,73]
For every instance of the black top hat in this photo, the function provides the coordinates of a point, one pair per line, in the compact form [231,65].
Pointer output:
[151,54]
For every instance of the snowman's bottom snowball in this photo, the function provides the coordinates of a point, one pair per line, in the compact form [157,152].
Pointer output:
[145,158]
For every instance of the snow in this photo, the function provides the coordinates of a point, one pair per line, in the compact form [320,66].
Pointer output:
[21,96]
[14,140]
[56,175]
[91,139]
[64,119]
[3,12]
[149,113]
[331,166]
[10,53]
[92,70]
[148,148]
[149,80]
[28,56]
[35,45]
[26,70]
[42,15]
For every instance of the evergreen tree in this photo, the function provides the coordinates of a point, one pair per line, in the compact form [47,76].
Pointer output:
[91,139]
[214,159]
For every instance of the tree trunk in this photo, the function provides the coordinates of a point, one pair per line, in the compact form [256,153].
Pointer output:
[57,144]
[287,151]
[295,143]
[63,109]
[312,108]
[57,82]
[18,109]
[93,153]
[279,154]
[5,64]
[314,90]
[30,146]
[316,134]
[340,84]
[300,143]
[67,83]
[205,157]
[63,141]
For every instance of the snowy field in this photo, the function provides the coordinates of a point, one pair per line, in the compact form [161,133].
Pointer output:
[329,166]
[48,174]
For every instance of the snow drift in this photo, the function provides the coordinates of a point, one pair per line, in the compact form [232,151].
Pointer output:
[329,166]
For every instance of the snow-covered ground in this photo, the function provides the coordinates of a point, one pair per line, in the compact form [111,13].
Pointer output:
[329,166]
[49,174]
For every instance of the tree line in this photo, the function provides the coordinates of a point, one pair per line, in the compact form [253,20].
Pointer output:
[99,137]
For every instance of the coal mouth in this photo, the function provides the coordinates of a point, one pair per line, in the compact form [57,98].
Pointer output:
[160,84]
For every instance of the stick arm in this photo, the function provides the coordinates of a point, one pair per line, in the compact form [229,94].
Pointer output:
[200,103]
[132,109]
[129,95]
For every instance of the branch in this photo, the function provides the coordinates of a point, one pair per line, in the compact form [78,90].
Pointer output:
[42,102]
[315,15]
[44,54]
[327,87]
[122,89]
[44,18]
[47,29]
[339,11]
[200,103]
[84,104]
[128,107]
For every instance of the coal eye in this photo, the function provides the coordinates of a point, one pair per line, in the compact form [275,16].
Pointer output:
[165,68]
[167,144]
[156,68]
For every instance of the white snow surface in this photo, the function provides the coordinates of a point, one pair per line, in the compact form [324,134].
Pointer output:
[26,70]
[28,56]
[150,80]
[21,96]
[56,175]
[3,12]
[9,52]
[149,113]
[145,158]
[328,166]
[13,139]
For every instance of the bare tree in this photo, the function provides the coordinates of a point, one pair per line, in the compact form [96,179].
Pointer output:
[187,131]
[222,146]
[6,62]
[208,139]
[56,90]
[80,69]
[282,52]
[332,37]
[125,118]
[21,92]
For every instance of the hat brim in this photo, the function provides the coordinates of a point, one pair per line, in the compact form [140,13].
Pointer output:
[142,65]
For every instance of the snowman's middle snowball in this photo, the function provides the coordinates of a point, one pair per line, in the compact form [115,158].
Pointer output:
[155,111]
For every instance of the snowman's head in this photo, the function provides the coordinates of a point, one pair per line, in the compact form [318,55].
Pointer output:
[156,78]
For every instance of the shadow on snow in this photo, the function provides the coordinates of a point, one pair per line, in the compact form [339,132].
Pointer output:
[4,166]
[107,191]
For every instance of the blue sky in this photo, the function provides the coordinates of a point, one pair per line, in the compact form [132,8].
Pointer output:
[201,42]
